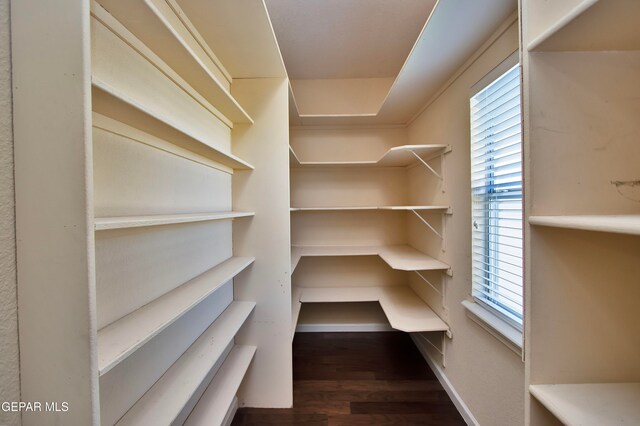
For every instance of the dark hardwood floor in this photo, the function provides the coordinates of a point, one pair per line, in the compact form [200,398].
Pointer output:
[359,379]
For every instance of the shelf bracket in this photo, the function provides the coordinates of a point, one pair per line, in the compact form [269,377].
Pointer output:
[431,169]
[439,234]
[428,224]
[426,164]
[442,351]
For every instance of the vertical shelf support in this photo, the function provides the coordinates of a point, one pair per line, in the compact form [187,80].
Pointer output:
[442,351]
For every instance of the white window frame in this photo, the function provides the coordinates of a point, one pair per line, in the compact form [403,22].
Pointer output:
[499,325]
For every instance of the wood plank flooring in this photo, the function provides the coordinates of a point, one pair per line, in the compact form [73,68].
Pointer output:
[358,379]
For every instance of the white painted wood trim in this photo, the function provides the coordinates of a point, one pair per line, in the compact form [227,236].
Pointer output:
[457,400]
[591,404]
[495,325]
[120,339]
[402,307]
[122,222]
[166,399]
[619,224]
[231,413]
[216,401]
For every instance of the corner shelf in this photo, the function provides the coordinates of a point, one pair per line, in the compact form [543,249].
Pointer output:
[447,209]
[591,404]
[619,224]
[399,156]
[399,257]
[123,337]
[123,222]
[215,402]
[168,397]
[617,28]
[114,104]
[403,308]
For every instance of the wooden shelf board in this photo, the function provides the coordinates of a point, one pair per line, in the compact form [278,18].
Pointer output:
[343,316]
[400,257]
[617,22]
[183,49]
[591,404]
[214,403]
[402,306]
[349,208]
[619,224]
[166,399]
[112,103]
[120,222]
[123,337]
[398,156]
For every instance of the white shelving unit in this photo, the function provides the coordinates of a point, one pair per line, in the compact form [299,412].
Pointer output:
[403,308]
[391,208]
[124,222]
[123,337]
[581,287]
[591,404]
[165,402]
[618,224]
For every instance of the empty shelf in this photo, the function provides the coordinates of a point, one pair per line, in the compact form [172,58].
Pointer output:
[591,404]
[398,156]
[394,208]
[123,337]
[295,308]
[164,30]
[214,403]
[105,223]
[166,399]
[620,224]
[112,103]
[402,306]
[403,258]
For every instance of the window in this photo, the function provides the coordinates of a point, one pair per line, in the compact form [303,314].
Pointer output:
[496,187]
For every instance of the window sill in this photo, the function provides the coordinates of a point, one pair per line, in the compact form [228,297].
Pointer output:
[496,326]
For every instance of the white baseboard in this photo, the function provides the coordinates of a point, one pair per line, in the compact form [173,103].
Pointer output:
[340,328]
[446,384]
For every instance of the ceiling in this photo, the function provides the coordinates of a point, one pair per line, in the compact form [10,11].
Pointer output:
[344,39]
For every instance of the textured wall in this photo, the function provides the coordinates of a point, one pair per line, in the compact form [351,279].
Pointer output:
[9,367]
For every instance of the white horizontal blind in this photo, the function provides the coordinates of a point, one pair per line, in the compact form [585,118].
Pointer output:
[496,182]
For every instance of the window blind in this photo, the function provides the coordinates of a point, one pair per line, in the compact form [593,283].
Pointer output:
[496,182]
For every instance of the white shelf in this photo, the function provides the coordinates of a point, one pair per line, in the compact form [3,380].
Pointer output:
[401,257]
[214,404]
[120,222]
[343,317]
[112,103]
[403,308]
[398,156]
[293,158]
[167,398]
[169,33]
[392,208]
[616,20]
[591,404]
[619,224]
[120,339]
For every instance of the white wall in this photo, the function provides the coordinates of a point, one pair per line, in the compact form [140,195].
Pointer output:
[9,364]
[487,375]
